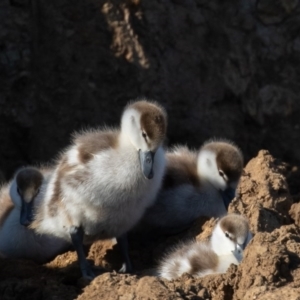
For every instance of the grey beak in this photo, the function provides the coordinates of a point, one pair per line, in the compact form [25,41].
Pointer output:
[146,160]
[238,252]
[227,196]
[26,216]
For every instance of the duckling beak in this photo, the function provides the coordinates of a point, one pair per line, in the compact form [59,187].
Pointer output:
[146,160]
[26,216]
[227,196]
[238,252]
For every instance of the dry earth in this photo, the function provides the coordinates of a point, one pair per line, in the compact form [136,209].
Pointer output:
[234,65]
[269,270]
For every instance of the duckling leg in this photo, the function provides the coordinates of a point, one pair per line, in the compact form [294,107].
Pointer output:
[123,244]
[76,234]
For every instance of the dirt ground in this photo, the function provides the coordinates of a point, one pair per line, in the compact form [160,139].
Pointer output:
[220,68]
[270,268]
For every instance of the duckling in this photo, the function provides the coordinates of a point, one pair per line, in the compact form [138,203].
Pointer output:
[228,241]
[105,180]
[18,200]
[194,184]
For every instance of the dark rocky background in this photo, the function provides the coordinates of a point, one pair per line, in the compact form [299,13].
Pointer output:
[221,68]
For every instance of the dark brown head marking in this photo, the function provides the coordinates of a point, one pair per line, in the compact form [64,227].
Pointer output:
[236,225]
[229,158]
[153,120]
[29,178]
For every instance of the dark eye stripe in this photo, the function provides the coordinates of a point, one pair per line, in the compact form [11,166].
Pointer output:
[228,236]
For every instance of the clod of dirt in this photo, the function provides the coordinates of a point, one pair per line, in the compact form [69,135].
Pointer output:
[116,286]
[271,260]
[263,194]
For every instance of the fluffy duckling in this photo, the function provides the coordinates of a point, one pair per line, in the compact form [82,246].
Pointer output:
[229,239]
[195,184]
[105,180]
[18,200]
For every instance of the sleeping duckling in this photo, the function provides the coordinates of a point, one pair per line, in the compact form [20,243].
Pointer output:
[229,239]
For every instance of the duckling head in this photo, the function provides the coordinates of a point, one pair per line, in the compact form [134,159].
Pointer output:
[221,164]
[231,235]
[144,125]
[28,182]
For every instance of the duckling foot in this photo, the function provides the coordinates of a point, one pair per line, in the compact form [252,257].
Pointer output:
[87,273]
[123,243]
[86,279]
[123,268]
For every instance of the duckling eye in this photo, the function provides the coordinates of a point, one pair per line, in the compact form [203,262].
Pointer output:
[144,135]
[221,173]
[226,234]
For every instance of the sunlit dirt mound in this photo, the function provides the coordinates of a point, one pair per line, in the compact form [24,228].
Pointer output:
[270,268]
